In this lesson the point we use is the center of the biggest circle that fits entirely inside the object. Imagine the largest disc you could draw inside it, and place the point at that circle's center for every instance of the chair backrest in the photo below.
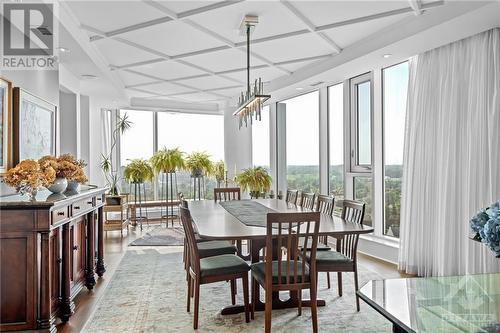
(284, 230)
(184, 203)
(352, 212)
(307, 200)
(227, 193)
(325, 204)
(292, 196)
(187, 224)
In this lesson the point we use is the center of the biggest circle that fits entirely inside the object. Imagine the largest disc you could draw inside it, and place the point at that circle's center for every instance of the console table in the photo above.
(49, 249)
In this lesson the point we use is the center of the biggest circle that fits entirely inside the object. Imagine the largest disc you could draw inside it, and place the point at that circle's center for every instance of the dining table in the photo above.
(241, 220)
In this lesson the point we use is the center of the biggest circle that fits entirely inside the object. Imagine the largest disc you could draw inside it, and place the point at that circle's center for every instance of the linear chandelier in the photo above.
(250, 102)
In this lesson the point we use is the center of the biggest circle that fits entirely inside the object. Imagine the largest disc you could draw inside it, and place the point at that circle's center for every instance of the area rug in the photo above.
(161, 236)
(147, 293)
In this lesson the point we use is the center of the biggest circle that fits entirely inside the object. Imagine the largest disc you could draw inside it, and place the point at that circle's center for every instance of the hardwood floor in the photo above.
(115, 247)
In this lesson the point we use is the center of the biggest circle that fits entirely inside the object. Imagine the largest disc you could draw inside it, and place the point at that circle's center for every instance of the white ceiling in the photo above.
(192, 51)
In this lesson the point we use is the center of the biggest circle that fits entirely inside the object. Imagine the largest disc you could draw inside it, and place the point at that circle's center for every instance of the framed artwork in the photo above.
(34, 123)
(5, 125)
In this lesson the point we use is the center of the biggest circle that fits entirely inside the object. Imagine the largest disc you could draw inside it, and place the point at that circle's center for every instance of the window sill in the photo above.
(384, 240)
(381, 247)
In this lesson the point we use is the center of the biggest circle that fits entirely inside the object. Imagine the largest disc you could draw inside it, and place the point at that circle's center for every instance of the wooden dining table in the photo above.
(214, 222)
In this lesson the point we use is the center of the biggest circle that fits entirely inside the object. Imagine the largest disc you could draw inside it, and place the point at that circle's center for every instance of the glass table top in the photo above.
(468, 303)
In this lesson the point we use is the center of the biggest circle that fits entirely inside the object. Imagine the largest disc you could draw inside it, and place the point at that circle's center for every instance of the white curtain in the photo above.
(106, 119)
(451, 156)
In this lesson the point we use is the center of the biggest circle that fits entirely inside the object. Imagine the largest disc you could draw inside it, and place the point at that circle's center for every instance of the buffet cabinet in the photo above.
(50, 249)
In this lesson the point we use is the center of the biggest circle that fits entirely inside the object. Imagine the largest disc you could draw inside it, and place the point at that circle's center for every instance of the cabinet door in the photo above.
(77, 235)
(55, 264)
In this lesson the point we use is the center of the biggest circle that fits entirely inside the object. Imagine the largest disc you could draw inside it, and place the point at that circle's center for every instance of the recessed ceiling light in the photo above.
(387, 55)
(89, 77)
(63, 49)
(299, 88)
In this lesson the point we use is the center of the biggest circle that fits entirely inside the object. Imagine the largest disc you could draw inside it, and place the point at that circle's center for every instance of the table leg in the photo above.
(292, 302)
(100, 268)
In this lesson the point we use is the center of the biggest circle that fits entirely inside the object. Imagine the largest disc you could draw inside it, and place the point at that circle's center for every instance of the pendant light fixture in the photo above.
(251, 102)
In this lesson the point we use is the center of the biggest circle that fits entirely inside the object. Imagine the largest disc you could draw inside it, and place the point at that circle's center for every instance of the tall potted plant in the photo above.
(108, 168)
(219, 171)
(255, 180)
(199, 164)
(138, 171)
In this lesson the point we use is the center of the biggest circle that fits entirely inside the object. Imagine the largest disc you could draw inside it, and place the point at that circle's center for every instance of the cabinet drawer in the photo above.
(83, 206)
(60, 214)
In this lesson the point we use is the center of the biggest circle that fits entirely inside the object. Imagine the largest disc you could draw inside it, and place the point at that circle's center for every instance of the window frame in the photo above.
(355, 167)
(328, 142)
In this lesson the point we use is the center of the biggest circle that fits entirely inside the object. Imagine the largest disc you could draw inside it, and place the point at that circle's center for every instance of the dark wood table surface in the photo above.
(212, 221)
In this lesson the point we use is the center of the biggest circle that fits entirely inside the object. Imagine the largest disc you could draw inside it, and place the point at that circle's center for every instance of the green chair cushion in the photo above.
(222, 265)
(215, 248)
(259, 272)
(330, 258)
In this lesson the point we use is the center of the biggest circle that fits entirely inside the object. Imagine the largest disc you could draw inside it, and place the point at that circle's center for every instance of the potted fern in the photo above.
(138, 171)
(167, 160)
(199, 164)
(255, 180)
(219, 172)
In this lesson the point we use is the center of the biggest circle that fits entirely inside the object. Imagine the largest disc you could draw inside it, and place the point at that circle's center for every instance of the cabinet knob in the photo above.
(59, 260)
(75, 247)
(76, 207)
(60, 213)
(89, 202)
(99, 199)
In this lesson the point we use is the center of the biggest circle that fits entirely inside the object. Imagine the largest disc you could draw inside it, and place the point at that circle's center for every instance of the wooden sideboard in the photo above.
(49, 249)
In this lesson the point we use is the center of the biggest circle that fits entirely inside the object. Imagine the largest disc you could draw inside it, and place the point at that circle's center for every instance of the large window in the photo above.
(261, 140)
(395, 85)
(137, 142)
(336, 140)
(302, 142)
(192, 132)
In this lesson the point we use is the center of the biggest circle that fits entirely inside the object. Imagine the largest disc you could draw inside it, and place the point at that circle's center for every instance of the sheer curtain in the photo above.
(451, 156)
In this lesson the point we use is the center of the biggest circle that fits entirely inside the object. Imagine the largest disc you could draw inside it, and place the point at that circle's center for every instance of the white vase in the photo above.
(58, 186)
(73, 186)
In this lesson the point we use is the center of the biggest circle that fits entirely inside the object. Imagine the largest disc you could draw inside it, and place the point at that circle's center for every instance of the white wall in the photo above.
(68, 124)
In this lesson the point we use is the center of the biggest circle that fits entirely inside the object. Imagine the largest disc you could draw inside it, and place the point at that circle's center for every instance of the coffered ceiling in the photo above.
(193, 51)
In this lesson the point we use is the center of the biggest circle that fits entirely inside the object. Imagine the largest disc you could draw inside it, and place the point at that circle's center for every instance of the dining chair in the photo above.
(290, 272)
(307, 200)
(292, 196)
(207, 248)
(325, 204)
(344, 258)
(227, 193)
(204, 270)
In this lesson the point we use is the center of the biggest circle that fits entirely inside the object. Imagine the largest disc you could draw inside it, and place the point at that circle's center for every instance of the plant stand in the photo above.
(167, 194)
(116, 204)
(139, 198)
(198, 185)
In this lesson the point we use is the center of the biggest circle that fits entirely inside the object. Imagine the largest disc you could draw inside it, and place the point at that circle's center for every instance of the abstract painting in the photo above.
(35, 122)
(5, 127)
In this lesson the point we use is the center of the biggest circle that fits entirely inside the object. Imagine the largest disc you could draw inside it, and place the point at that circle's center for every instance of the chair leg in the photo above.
(196, 303)
(254, 299)
(299, 296)
(245, 297)
(188, 278)
(339, 281)
(328, 279)
(233, 292)
(268, 311)
(314, 308)
(356, 287)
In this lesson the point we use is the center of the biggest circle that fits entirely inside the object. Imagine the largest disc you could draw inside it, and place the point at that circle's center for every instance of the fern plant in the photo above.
(219, 172)
(199, 164)
(255, 180)
(167, 160)
(138, 171)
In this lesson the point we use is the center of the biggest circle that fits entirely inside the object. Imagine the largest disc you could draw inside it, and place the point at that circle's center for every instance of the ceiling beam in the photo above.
(312, 28)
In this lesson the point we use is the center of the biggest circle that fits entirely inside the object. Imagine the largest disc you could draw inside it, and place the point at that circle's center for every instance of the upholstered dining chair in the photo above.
(289, 272)
(204, 270)
(227, 193)
(207, 248)
(344, 258)
(292, 196)
(307, 200)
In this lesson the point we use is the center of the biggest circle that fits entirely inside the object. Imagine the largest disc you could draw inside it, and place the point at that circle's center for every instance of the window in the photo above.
(363, 191)
(302, 142)
(137, 142)
(336, 140)
(395, 85)
(361, 126)
(261, 140)
(192, 132)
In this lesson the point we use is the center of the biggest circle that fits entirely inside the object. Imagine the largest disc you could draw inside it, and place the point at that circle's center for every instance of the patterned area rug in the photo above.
(161, 236)
(148, 294)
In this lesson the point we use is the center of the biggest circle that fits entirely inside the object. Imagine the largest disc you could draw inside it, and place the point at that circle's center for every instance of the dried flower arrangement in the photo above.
(28, 177)
(65, 166)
